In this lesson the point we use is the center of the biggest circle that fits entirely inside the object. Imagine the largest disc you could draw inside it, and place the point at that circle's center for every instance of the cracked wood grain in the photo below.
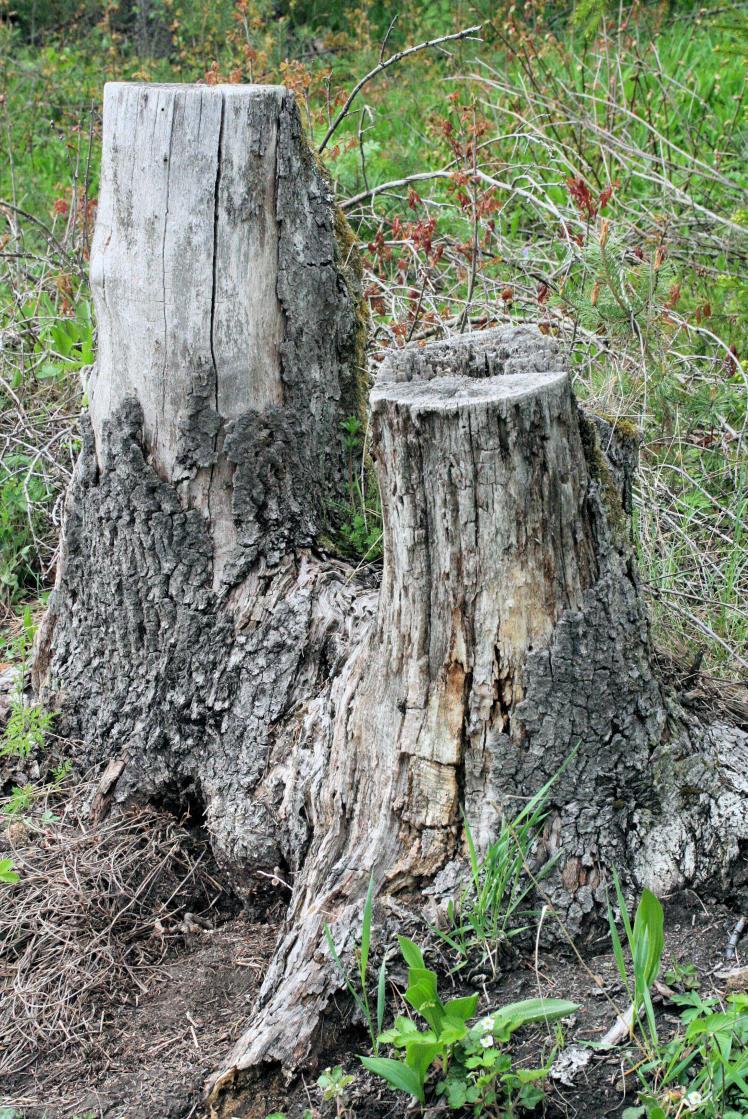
(510, 640)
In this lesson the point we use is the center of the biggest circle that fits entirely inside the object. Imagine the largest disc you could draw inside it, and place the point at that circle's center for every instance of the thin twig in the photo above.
(468, 33)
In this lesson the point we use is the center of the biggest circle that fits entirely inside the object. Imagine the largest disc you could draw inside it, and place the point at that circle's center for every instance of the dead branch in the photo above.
(467, 33)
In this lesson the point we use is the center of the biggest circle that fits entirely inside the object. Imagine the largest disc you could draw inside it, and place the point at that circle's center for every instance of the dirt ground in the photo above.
(157, 1049)
(695, 933)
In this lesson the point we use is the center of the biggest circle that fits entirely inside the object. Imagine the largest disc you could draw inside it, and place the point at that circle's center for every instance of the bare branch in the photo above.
(468, 33)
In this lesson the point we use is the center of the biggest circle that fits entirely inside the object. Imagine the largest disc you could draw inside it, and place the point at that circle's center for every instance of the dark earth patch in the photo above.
(155, 1054)
(156, 1051)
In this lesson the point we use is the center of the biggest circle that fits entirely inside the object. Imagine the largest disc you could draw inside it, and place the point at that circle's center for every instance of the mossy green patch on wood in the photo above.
(601, 473)
(627, 429)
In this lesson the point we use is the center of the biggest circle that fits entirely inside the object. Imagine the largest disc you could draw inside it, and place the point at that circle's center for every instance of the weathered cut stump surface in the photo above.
(324, 725)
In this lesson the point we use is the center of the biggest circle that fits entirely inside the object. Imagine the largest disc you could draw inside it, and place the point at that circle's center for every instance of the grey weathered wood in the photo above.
(230, 336)
(184, 272)
(217, 291)
(201, 643)
(510, 640)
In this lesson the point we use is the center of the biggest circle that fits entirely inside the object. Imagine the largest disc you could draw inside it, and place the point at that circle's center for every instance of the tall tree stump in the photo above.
(322, 725)
(231, 333)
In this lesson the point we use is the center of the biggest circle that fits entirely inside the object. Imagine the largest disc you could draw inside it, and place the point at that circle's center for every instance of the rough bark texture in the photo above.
(324, 725)
(510, 641)
(188, 617)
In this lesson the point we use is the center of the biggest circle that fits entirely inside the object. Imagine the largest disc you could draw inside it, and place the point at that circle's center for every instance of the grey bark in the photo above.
(328, 726)
(189, 614)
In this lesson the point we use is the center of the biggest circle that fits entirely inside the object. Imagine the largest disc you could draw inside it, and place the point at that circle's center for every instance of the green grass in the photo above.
(646, 943)
(703, 1069)
(497, 903)
(582, 175)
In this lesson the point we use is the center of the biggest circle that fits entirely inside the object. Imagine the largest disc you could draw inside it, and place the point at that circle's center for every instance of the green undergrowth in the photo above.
(454, 1053)
(581, 171)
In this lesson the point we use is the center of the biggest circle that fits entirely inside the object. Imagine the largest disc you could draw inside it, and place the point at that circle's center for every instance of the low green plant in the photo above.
(473, 1065)
(334, 1083)
(9, 876)
(307, 1113)
(25, 732)
(62, 771)
(683, 976)
(21, 496)
(357, 985)
(11, 1113)
(21, 799)
(360, 518)
(26, 728)
(26, 721)
(703, 1070)
(646, 942)
(65, 343)
(17, 645)
(493, 908)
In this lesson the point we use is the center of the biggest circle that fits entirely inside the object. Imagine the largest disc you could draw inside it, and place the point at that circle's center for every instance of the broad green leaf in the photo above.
(456, 1093)
(420, 1053)
(7, 873)
(403, 1028)
(49, 371)
(530, 1095)
(648, 938)
(396, 1073)
(528, 1075)
(509, 1018)
(463, 1008)
(424, 977)
(711, 1024)
(453, 1029)
(422, 996)
(411, 952)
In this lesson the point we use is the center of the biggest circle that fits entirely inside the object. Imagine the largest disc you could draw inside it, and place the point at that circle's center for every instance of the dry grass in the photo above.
(96, 911)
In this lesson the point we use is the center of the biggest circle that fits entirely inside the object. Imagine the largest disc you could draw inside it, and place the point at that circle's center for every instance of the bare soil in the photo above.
(158, 1048)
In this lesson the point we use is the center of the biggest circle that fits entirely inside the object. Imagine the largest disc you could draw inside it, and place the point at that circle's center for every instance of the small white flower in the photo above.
(487, 1025)
(693, 1101)
(487, 1041)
